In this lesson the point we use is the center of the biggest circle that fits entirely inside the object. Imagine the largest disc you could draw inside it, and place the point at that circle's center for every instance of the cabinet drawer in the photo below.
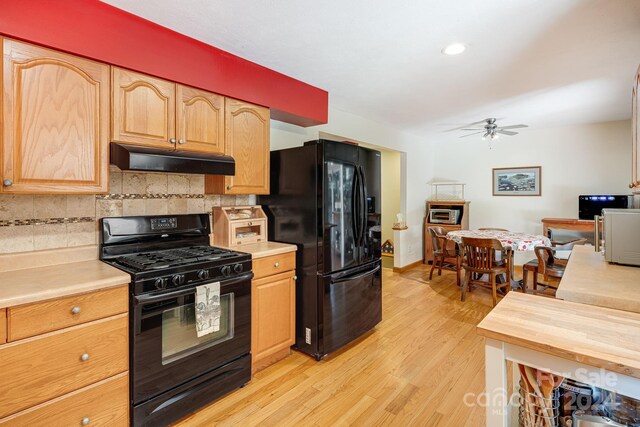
(38, 369)
(35, 319)
(274, 264)
(105, 403)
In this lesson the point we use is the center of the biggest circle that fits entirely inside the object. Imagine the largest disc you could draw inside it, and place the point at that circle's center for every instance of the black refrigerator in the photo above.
(325, 198)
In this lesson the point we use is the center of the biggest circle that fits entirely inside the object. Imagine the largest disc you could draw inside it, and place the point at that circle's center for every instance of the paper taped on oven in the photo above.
(208, 308)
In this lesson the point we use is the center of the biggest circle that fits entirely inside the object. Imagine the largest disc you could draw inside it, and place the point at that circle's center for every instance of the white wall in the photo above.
(587, 159)
(575, 160)
(417, 165)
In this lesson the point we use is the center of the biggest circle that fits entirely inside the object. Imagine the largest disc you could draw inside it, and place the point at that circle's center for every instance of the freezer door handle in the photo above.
(357, 276)
(355, 206)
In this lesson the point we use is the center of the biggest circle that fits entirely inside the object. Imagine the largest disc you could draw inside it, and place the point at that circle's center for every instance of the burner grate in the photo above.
(157, 260)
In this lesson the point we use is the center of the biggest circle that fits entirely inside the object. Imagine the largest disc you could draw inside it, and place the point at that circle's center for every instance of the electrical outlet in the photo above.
(307, 335)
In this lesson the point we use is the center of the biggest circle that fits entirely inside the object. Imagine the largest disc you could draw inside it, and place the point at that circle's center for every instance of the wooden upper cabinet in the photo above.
(143, 109)
(55, 131)
(247, 141)
(199, 120)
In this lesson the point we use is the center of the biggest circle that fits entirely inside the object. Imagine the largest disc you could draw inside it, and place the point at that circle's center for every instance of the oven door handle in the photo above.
(148, 299)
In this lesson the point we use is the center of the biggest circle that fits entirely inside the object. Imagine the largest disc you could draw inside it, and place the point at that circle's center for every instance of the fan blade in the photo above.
(471, 134)
(514, 127)
(481, 122)
(472, 129)
(506, 132)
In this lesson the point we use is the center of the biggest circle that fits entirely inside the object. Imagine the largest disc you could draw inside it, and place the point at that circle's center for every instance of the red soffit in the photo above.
(102, 32)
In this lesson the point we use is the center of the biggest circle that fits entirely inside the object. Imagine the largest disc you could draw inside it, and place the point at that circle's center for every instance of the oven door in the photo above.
(166, 351)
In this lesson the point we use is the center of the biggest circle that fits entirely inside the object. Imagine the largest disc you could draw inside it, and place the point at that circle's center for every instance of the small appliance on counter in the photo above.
(239, 225)
(444, 216)
(592, 204)
(621, 235)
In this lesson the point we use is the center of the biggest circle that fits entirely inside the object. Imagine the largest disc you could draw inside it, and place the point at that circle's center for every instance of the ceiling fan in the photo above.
(490, 129)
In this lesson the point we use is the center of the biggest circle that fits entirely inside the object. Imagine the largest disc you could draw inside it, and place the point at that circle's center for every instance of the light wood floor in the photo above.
(413, 369)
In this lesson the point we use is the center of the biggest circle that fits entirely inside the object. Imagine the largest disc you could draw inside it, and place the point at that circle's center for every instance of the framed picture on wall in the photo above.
(522, 181)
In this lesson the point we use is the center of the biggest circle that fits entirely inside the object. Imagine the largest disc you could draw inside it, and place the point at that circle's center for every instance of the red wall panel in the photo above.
(99, 31)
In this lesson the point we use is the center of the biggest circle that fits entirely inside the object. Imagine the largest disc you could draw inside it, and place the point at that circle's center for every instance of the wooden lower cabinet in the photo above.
(69, 369)
(273, 311)
(104, 403)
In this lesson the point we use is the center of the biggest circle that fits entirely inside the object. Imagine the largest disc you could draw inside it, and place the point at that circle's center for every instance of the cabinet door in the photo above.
(199, 120)
(247, 141)
(143, 109)
(55, 118)
(273, 315)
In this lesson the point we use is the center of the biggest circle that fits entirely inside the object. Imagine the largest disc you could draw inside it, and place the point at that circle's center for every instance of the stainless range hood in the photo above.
(138, 158)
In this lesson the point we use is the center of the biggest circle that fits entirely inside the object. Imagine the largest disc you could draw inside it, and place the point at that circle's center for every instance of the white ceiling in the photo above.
(539, 62)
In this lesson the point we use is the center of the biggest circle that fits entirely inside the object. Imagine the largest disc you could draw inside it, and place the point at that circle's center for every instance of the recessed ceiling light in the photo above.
(454, 49)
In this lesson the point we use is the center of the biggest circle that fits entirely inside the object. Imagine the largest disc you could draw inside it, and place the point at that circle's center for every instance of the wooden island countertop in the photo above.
(595, 336)
(589, 279)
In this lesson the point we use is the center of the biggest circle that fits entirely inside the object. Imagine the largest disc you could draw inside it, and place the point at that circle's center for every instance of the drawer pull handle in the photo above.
(172, 140)
(181, 141)
(7, 183)
(276, 264)
(85, 421)
(75, 310)
(84, 357)
(295, 278)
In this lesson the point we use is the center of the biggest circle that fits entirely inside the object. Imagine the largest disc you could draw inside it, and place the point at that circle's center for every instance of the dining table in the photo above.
(513, 240)
(509, 239)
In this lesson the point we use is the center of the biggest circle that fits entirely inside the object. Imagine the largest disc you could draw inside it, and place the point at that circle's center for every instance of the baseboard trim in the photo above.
(406, 267)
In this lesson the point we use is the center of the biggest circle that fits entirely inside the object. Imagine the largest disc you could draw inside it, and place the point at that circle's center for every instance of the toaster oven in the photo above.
(444, 216)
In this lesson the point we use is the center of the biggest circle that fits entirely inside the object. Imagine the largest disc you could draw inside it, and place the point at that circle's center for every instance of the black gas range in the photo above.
(172, 371)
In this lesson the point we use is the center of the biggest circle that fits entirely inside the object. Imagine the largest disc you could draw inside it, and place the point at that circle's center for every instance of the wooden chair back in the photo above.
(480, 254)
(438, 238)
(545, 260)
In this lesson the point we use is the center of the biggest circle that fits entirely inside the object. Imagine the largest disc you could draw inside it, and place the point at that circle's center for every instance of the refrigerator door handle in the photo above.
(355, 202)
(357, 276)
(363, 184)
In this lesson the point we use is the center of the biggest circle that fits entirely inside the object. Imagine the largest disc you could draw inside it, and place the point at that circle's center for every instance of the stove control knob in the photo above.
(226, 271)
(178, 280)
(203, 274)
(160, 283)
(238, 268)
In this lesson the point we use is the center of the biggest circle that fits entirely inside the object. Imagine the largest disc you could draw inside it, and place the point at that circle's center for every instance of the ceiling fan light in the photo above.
(454, 49)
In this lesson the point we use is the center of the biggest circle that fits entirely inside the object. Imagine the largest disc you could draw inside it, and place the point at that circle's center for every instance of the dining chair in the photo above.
(547, 267)
(444, 255)
(556, 268)
(479, 260)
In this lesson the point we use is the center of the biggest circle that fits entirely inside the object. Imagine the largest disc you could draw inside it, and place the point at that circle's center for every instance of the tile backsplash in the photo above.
(35, 222)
